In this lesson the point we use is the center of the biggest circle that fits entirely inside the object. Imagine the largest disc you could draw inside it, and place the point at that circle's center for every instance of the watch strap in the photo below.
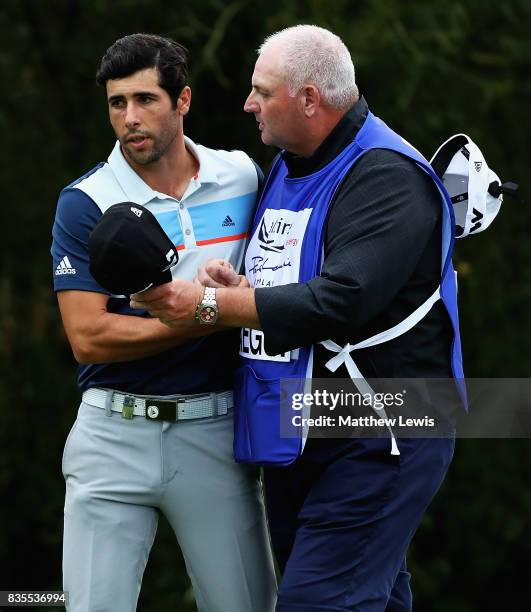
(209, 296)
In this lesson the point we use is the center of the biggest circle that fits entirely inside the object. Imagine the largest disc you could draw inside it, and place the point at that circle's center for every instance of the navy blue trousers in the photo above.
(342, 517)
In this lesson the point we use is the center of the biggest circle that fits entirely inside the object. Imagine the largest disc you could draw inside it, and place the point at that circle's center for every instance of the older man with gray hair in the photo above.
(352, 241)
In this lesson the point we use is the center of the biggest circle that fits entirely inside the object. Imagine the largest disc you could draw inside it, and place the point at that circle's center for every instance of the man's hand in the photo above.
(220, 273)
(174, 304)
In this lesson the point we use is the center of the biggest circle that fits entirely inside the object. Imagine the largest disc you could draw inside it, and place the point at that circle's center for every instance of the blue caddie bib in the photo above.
(286, 246)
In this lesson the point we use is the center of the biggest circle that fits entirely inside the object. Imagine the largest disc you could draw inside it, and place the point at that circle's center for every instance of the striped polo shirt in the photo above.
(212, 219)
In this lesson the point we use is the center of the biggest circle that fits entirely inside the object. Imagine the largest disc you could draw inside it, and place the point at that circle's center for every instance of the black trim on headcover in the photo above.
(459, 198)
(444, 156)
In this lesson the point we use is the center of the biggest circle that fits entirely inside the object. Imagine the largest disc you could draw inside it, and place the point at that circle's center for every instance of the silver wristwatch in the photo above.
(207, 312)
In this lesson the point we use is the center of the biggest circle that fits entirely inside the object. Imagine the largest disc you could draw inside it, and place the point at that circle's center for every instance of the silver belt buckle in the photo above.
(162, 410)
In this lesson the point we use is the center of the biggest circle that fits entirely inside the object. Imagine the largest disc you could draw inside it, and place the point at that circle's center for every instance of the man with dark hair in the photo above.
(123, 464)
(350, 249)
(140, 51)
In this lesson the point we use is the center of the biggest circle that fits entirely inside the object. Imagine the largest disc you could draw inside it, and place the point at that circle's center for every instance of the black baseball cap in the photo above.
(129, 251)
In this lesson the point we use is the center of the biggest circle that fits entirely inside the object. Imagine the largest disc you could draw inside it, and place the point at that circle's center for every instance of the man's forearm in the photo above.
(237, 308)
(99, 336)
(175, 305)
(115, 338)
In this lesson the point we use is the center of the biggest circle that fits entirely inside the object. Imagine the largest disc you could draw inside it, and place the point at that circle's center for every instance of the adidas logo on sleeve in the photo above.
(64, 267)
(228, 222)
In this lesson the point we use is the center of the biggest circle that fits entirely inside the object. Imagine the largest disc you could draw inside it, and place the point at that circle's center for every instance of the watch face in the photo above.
(207, 315)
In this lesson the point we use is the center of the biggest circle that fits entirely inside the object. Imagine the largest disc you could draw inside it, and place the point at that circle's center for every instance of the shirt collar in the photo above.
(207, 173)
(341, 136)
(139, 191)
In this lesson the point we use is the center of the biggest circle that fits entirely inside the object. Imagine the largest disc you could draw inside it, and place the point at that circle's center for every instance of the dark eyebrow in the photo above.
(137, 94)
(114, 98)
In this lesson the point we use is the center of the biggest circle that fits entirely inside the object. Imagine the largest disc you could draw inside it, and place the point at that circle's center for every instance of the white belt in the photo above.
(170, 408)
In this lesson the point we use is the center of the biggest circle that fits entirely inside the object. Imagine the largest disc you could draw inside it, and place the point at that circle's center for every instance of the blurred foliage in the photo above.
(430, 69)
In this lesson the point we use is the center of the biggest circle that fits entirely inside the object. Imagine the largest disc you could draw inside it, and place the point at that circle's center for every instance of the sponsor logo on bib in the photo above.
(273, 256)
(252, 346)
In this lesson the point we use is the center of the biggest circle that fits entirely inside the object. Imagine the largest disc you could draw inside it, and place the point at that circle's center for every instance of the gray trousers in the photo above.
(119, 473)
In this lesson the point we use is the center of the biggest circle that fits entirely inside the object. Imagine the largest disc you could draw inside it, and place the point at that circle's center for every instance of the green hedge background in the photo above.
(430, 69)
